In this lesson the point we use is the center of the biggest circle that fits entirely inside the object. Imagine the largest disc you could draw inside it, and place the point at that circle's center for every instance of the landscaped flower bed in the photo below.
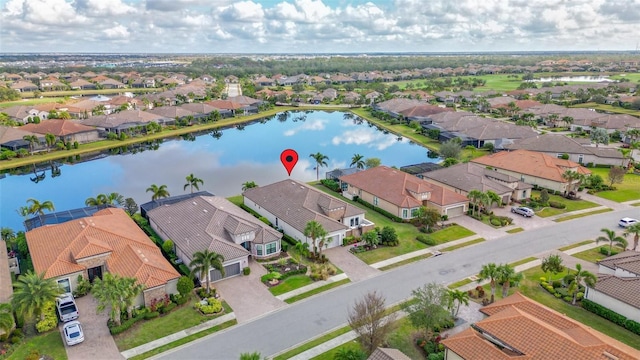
(281, 270)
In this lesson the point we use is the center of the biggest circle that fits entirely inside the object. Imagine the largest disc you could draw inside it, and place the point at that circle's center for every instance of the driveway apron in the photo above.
(247, 296)
(98, 343)
(355, 268)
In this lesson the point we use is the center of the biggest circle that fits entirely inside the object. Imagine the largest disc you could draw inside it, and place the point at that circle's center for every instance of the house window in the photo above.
(65, 284)
(580, 158)
(375, 200)
(357, 221)
(414, 212)
(405, 213)
(559, 156)
(352, 222)
(272, 248)
(259, 250)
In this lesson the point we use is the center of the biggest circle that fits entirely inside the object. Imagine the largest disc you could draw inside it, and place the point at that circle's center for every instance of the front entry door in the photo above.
(95, 272)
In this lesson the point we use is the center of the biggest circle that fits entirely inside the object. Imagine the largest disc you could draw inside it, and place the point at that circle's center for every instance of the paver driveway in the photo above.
(247, 296)
(98, 343)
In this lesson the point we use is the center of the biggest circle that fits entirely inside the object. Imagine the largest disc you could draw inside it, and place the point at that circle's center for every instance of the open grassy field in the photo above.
(628, 190)
(607, 108)
(29, 102)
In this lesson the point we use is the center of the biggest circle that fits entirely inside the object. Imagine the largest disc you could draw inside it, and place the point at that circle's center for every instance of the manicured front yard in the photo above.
(48, 344)
(593, 255)
(571, 205)
(628, 190)
(290, 283)
(179, 319)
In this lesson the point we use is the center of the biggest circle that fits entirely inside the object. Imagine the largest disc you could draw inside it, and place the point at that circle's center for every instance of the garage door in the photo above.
(229, 270)
(455, 211)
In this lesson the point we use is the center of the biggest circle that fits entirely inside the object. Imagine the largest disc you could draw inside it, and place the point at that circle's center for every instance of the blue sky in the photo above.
(312, 26)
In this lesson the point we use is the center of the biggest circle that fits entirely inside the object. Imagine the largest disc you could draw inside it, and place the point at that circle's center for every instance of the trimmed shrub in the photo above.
(543, 279)
(331, 184)
(214, 306)
(181, 300)
(125, 325)
(246, 271)
(265, 220)
(168, 308)
(557, 295)
(151, 315)
(604, 312)
(184, 285)
(557, 205)
(604, 250)
(550, 289)
(15, 339)
(167, 246)
(495, 222)
(632, 326)
(426, 240)
(556, 284)
(270, 276)
(567, 298)
(50, 320)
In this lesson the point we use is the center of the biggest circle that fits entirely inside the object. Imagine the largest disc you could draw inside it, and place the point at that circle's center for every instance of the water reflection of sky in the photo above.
(252, 154)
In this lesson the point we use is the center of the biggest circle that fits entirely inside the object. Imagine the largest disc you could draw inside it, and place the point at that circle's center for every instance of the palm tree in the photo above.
(552, 264)
(315, 231)
(507, 276)
(8, 236)
(50, 139)
(32, 140)
(248, 185)
(490, 271)
(573, 178)
(320, 160)
(613, 239)
(192, 182)
(250, 356)
(7, 321)
(101, 199)
(358, 161)
(457, 298)
(474, 196)
(38, 207)
(579, 277)
(158, 191)
(635, 230)
(116, 292)
(31, 292)
(202, 263)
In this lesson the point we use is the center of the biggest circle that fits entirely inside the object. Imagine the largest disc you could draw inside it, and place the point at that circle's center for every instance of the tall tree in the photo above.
(599, 136)
(358, 161)
(116, 292)
(203, 261)
(635, 230)
(507, 276)
(456, 299)
(50, 139)
(158, 191)
(192, 182)
(31, 292)
(130, 206)
(490, 272)
(8, 236)
(372, 162)
(32, 140)
(369, 320)
(552, 264)
(429, 309)
(616, 175)
(248, 185)
(580, 277)
(37, 207)
(613, 239)
(321, 161)
(7, 321)
(315, 231)
(474, 197)
(573, 178)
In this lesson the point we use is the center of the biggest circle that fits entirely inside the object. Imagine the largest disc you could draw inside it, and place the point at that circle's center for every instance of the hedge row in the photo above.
(612, 316)
(125, 325)
(381, 211)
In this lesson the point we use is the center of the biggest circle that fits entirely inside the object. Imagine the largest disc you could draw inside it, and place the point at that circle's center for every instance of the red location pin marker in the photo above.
(289, 159)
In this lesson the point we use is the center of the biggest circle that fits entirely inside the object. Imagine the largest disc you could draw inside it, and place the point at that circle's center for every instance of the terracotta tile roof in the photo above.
(518, 327)
(224, 104)
(387, 354)
(396, 187)
(626, 260)
(8, 133)
(55, 249)
(58, 127)
(208, 222)
(625, 289)
(296, 204)
(531, 163)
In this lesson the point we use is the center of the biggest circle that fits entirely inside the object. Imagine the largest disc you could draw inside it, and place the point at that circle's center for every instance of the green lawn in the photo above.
(568, 247)
(576, 216)
(515, 230)
(290, 283)
(571, 205)
(523, 261)
(628, 190)
(30, 102)
(318, 290)
(468, 243)
(460, 283)
(405, 262)
(313, 343)
(48, 344)
(330, 355)
(236, 200)
(408, 245)
(592, 255)
(607, 108)
(530, 287)
(148, 330)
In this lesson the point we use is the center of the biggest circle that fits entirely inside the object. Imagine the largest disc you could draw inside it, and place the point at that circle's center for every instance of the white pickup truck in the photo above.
(66, 307)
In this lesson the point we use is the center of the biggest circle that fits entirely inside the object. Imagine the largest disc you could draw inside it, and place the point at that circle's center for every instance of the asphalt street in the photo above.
(294, 324)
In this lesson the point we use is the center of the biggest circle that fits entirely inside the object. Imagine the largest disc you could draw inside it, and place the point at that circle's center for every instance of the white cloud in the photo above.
(117, 32)
(311, 125)
(371, 138)
(100, 8)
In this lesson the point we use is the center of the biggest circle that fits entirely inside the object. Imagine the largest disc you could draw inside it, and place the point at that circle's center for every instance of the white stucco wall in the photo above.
(613, 304)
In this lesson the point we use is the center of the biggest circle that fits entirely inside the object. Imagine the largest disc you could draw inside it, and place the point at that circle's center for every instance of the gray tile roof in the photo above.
(207, 222)
(624, 289)
(470, 176)
(561, 144)
(296, 204)
(626, 260)
(388, 354)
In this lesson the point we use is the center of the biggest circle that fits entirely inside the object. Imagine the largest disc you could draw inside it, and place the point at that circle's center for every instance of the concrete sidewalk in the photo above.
(310, 287)
(176, 336)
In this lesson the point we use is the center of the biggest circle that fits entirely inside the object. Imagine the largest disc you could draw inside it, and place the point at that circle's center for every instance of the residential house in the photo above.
(172, 112)
(580, 152)
(533, 168)
(111, 84)
(289, 205)
(52, 84)
(422, 112)
(68, 131)
(13, 139)
(463, 178)
(402, 194)
(609, 122)
(109, 241)
(214, 223)
(520, 328)
(201, 110)
(82, 84)
(24, 86)
(421, 168)
(387, 354)
(394, 107)
(21, 113)
(618, 284)
(264, 81)
(125, 120)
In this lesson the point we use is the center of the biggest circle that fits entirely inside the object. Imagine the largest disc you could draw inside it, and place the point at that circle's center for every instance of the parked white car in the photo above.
(626, 222)
(73, 334)
(523, 210)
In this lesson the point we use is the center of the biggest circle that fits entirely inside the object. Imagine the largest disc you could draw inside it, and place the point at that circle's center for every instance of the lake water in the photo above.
(575, 79)
(249, 154)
